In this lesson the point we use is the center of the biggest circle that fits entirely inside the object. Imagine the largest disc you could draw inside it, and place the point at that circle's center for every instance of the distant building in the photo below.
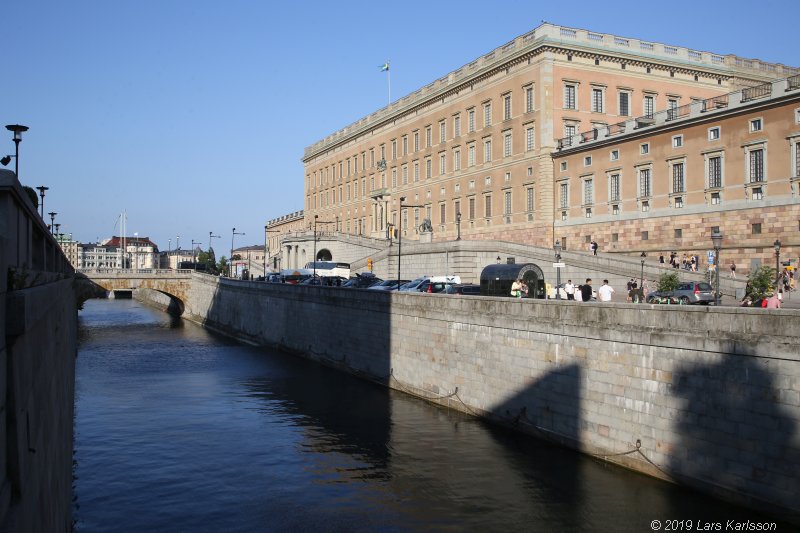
(277, 229)
(140, 252)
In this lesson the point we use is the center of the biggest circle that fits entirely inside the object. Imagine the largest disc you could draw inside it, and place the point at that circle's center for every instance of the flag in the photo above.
(384, 67)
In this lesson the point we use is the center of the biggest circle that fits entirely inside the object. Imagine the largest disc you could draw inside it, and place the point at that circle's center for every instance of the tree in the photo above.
(222, 266)
(760, 282)
(668, 282)
(208, 259)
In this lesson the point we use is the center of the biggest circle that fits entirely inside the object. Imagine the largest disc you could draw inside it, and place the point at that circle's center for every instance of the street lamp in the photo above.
(266, 247)
(18, 131)
(41, 189)
(716, 239)
(400, 237)
(52, 219)
(458, 225)
(234, 233)
(314, 258)
(557, 249)
(193, 260)
(641, 279)
(777, 246)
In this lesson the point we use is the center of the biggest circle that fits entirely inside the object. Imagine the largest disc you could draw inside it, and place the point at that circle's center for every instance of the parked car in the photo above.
(364, 280)
(692, 292)
(465, 288)
(388, 285)
(412, 285)
(431, 286)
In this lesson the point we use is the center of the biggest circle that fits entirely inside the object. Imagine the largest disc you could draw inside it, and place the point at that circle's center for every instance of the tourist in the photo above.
(773, 302)
(516, 288)
(661, 258)
(605, 291)
(594, 248)
(569, 288)
(578, 293)
(586, 290)
(733, 270)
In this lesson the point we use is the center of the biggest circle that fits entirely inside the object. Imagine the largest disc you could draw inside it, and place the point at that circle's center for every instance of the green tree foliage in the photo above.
(209, 260)
(760, 282)
(668, 281)
(222, 265)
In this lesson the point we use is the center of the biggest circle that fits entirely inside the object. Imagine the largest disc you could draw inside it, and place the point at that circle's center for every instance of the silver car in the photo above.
(692, 292)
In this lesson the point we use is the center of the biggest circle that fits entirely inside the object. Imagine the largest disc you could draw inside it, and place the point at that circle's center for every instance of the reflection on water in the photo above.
(180, 430)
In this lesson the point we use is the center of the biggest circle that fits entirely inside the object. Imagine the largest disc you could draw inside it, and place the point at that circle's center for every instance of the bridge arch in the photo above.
(324, 255)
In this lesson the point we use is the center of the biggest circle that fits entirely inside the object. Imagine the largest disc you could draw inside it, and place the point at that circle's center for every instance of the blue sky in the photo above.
(193, 115)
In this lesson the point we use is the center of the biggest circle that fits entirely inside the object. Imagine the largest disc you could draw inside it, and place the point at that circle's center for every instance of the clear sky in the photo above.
(193, 114)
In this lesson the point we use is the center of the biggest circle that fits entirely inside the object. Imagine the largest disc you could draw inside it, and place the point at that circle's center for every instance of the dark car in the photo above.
(388, 285)
(692, 292)
(364, 280)
(465, 288)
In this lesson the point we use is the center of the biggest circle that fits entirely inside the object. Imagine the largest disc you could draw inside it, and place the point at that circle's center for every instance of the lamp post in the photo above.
(314, 257)
(194, 263)
(41, 189)
(557, 249)
(266, 247)
(641, 279)
(400, 237)
(234, 233)
(211, 236)
(52, 219)
(58, 227)
(458, 226)
(17, 130)
(777, 246)
(716, 240)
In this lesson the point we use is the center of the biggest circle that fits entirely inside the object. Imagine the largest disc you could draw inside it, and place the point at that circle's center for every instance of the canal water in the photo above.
(177, 429)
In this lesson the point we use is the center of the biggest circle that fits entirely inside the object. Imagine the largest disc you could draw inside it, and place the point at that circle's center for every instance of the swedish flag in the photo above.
(384, 67)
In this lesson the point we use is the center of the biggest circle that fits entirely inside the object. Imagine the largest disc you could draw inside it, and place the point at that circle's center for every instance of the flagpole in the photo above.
(389, 81)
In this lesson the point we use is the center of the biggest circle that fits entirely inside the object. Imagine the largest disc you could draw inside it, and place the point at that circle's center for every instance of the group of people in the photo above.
(519, 288)
(687, 262)
(585, 292)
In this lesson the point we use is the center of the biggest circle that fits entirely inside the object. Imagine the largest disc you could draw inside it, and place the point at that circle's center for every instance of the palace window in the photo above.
(507, 144)
(529, 139)
(442, 131)
(471, 155)
(528, 99)
(487, 114)
(649, 106)
(569, 96)
(442, 163)
(487, 206)
(472, 208)
(457, 126)
(588, 192)
(507, 203)
(613, 185)
(677, 178)
(564, 195)
(714, 133)
(456, 159)
(471, 120)
(506, 107)
(487, 150)
(597, 100)
(756, 166)
(645, 190)
(715, 172)
(624, 104)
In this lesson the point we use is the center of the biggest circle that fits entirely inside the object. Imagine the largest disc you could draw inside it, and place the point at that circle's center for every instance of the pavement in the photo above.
(791, 300)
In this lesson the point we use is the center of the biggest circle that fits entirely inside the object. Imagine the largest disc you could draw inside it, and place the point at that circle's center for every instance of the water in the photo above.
(180, 430)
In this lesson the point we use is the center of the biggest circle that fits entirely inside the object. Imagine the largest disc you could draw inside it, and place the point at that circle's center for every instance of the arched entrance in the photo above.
(324, 255)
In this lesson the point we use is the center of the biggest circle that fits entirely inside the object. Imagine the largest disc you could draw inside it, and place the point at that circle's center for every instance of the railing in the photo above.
(759, 91)
(718, 102)
(679, 112)
(121, 272)
(793, 83)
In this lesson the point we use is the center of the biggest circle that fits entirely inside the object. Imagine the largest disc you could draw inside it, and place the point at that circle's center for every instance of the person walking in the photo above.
(733, 270)
(594, 248)
(586, 290)
(569, 288)
(516, 288)
(605, 291)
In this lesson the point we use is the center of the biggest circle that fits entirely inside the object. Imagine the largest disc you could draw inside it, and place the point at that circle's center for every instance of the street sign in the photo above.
(559, 265)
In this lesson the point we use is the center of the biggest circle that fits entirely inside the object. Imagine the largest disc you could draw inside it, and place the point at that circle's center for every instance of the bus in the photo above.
(326, 269)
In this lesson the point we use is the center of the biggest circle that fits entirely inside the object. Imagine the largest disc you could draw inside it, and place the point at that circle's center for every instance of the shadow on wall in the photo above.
(732, 430)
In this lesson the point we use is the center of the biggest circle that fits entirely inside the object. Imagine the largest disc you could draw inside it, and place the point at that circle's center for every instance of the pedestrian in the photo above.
(661, 258)
(578, 293)
(569, 288)
(629, 290)
(693, 263)
(586, 290)
(523, 288)
(516, 288)
(733, 270)
(773, 302)
(594, 248)
(605, 291)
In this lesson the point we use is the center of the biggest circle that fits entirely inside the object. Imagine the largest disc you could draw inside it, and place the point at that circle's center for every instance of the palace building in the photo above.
(498, 149)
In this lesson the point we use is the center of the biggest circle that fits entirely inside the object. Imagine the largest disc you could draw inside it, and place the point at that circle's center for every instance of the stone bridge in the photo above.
(175, 284)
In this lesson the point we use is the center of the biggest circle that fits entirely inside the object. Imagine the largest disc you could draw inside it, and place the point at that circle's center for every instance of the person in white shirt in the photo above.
(569, 288)
(605, 292)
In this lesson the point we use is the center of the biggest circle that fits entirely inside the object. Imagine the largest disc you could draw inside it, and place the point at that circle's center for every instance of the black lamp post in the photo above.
(716, 239)
(400, 236)
(211, 236)
(777, 246)
(266, 247)
(557, 249)
(194, 263)
(458, 226)
(41, 189)
(17, 130)
(641, 279)
(314, 258)
(234, 233)
(52, 219)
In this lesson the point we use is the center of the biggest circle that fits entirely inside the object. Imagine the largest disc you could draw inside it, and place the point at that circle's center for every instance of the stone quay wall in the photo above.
(702, 396)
